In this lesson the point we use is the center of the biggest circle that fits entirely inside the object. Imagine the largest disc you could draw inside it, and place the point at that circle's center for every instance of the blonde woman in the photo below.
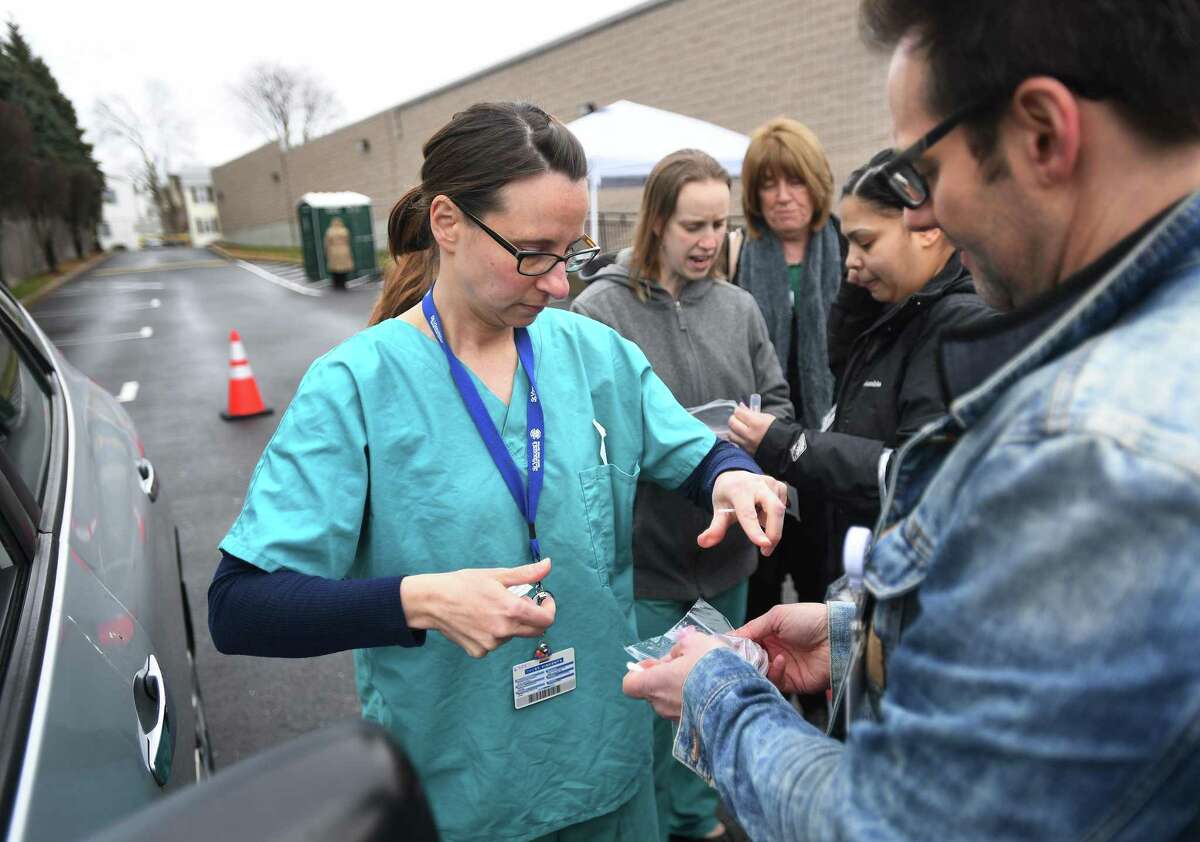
(707, 341)
(791, 259)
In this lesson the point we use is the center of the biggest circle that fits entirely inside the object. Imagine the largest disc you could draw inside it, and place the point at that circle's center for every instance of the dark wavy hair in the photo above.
(1141, 55)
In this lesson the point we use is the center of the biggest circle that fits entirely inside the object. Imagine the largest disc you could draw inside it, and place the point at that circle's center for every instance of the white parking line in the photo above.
(129, 391)
(152, 304)
(145, 333)
(86, 288)
(278, 281)
(158, 267)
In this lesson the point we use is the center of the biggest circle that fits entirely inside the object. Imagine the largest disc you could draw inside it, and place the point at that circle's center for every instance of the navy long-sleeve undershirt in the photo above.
(286, 614)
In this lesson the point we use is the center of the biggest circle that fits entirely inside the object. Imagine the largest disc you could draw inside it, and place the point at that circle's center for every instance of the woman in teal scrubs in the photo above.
(383, 508)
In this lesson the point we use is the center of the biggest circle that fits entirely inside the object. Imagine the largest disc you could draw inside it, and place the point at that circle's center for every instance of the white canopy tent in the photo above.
(626, 139)
(344, 199)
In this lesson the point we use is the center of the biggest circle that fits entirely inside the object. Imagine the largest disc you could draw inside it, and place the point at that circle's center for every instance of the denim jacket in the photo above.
(1032, 662)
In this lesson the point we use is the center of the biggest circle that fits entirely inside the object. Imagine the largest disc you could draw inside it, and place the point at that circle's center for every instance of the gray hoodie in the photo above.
(711, 344)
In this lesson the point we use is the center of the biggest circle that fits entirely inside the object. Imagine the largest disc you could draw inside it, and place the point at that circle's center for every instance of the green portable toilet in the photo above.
(316, 211)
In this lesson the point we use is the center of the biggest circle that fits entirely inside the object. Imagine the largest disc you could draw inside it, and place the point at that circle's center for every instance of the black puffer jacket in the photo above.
(888, 387)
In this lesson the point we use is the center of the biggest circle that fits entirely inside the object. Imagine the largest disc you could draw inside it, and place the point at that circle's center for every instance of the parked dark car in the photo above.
(100, 711)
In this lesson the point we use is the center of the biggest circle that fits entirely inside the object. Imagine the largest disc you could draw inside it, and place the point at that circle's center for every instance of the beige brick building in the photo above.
(732, 63)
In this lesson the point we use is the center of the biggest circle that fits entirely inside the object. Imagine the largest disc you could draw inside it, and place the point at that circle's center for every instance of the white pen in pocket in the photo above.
(600, 429)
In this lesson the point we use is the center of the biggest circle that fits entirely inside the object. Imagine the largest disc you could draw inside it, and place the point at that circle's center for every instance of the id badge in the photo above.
(535, 681)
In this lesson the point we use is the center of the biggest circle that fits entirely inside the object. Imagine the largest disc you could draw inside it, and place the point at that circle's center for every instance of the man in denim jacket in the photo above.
(1026, 652)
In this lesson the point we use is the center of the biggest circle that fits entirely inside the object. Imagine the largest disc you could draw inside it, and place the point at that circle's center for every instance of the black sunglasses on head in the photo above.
(535, 263)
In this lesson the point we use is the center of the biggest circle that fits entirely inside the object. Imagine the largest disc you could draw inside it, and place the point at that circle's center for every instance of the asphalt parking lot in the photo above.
(153, 328)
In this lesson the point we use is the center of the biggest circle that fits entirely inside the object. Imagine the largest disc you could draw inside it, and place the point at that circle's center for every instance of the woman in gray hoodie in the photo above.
(707, 340)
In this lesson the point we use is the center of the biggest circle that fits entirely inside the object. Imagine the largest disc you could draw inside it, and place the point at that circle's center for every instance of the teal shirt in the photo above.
(376, 469)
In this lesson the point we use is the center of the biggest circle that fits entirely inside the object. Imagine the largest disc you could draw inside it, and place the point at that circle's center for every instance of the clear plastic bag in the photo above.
(703, 619)
(715, 415)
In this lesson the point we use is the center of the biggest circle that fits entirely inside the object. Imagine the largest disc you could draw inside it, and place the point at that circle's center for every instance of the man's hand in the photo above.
(661, 682)
(747, 428)
(758, 504)
(796, 638)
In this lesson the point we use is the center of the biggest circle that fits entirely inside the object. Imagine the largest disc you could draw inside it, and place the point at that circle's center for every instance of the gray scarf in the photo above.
(762, 271)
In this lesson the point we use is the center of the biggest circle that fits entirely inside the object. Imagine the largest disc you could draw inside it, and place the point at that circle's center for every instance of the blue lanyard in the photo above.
(535, 428)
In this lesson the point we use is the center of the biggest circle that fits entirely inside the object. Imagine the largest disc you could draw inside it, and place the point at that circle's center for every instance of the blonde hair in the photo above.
(661, 193)
(785, 148)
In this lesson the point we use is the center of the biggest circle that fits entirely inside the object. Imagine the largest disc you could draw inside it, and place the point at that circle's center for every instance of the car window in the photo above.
(24, 418)
(10, 306)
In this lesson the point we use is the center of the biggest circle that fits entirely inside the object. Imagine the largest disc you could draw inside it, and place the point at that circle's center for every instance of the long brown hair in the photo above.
(469, 159)
(665, 182)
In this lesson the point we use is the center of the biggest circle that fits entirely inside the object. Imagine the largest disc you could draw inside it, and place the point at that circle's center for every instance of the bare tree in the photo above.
(155, 134)
(318, 108)
(290, 105)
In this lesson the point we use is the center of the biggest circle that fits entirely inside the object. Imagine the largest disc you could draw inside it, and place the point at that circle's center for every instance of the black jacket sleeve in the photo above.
(845, 469)
(833, 467)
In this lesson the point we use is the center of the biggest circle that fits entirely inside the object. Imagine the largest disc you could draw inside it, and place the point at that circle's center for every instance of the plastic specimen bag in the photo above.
(702, 618)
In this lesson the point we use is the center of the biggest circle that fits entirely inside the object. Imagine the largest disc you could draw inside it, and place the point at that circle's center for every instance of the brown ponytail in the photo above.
(470, 159)
(410, 242)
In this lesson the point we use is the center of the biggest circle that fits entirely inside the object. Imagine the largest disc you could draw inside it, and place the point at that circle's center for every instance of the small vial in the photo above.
(756, 402)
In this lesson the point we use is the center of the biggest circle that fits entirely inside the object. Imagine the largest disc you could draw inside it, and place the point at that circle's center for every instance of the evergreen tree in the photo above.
(16, 150)
(63, 180)
(84, 207)
(46, 194)
(56, 131)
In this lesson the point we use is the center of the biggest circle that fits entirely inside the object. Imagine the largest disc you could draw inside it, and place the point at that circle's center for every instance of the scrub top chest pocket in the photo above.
(608, 495)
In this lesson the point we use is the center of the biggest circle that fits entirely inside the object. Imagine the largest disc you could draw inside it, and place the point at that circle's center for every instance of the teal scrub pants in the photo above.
(687, 806)
(634, 821)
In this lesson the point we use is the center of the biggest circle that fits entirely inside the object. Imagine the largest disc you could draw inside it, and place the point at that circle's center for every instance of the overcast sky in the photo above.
(372, 59)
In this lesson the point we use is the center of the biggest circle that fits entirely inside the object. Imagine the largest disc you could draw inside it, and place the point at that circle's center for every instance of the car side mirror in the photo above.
(349, 782)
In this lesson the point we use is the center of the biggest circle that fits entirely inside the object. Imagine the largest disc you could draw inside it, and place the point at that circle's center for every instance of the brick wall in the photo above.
(734, 64)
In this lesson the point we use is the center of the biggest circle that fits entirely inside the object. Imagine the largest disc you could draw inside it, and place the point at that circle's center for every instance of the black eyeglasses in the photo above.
(535, 263)
(901, 175)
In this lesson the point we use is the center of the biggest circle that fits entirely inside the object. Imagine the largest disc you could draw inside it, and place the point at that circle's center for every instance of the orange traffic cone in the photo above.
(244, 399)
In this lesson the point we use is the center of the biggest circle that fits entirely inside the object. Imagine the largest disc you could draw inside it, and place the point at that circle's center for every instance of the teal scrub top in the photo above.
(376, 469)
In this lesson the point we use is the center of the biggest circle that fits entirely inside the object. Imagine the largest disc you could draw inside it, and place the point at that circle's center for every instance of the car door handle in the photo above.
(156, 736)
(149, 479)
